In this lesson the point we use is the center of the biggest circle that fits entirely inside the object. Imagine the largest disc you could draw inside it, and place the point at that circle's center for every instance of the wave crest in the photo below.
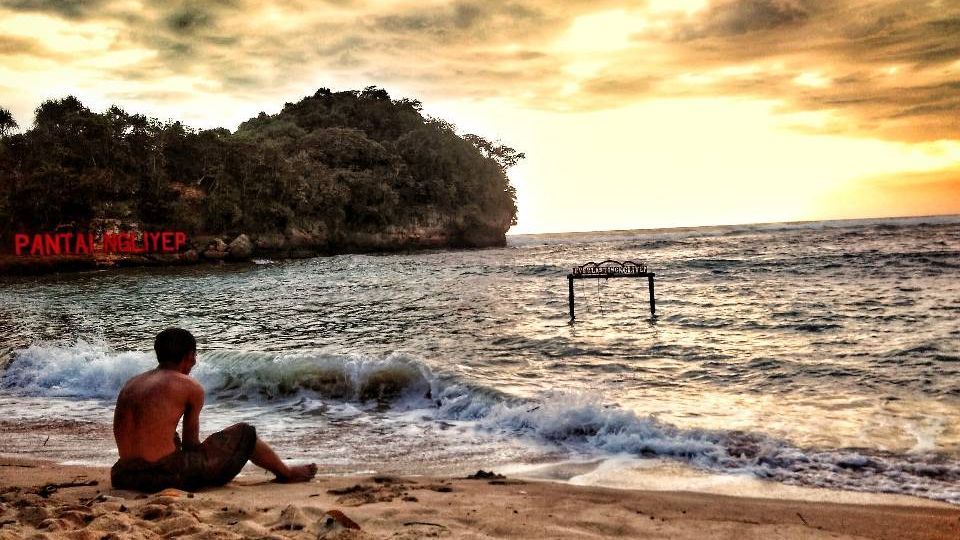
(579, 422)
(90, 369)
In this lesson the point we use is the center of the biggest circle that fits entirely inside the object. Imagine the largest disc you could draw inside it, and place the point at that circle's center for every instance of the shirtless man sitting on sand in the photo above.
(152, 456)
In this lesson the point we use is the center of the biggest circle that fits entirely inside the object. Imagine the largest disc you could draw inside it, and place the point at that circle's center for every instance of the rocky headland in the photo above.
(337, 172)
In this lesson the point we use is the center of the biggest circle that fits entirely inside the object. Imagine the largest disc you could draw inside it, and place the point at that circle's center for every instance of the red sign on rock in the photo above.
(53, 244)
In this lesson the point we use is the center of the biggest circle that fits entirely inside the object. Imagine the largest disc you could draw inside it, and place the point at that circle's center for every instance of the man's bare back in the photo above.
(149, 408)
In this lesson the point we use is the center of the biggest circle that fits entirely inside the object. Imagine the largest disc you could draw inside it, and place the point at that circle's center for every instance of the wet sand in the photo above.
(426, 507)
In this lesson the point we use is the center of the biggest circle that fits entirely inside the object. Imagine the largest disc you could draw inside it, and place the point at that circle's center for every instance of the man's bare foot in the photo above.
(298, 473)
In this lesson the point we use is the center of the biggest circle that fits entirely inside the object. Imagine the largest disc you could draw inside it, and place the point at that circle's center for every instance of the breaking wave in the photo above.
(94, 370)
(576, 422)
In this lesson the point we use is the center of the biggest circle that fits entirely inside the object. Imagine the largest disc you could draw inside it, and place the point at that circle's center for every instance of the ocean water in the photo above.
(817, 354)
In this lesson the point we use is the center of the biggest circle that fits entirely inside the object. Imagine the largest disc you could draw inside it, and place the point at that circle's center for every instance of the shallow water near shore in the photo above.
(818, 354)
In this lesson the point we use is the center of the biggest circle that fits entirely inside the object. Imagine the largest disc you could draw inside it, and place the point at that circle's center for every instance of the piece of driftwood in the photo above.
(409, 523)
(49, 489)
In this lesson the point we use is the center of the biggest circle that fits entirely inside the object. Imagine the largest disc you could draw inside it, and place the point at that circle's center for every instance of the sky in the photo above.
(642, 114)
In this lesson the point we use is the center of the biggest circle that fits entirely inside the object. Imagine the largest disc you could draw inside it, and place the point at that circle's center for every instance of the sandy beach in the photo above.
(33, 506)
(679, 269)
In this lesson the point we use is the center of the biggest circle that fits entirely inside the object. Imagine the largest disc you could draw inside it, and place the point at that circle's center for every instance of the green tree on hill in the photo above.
(7, 123)
(338, 162)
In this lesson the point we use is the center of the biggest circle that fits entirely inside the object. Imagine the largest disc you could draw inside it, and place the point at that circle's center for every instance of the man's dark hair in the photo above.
(172, 345)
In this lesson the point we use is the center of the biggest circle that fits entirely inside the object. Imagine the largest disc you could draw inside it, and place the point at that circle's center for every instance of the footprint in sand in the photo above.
(383, 489)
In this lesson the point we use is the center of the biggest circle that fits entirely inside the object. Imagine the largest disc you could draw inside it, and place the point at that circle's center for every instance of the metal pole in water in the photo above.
(653, 302)
(570, 283)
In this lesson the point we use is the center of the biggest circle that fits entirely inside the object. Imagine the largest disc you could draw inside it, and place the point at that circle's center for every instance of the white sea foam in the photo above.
(93, 369)
(86, 369)
(578, 422)
(926, 434)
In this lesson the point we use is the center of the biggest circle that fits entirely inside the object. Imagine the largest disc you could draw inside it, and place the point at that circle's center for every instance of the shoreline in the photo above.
(431, 506)
(207, 249)
(648, 475)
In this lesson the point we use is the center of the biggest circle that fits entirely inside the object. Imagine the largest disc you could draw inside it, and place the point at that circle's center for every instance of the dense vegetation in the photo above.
(335, 162)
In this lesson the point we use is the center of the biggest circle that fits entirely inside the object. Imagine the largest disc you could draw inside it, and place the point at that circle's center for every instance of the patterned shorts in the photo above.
(218, 459)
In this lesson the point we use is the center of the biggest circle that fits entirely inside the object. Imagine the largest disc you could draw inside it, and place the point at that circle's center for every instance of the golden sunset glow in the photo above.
(631, 114)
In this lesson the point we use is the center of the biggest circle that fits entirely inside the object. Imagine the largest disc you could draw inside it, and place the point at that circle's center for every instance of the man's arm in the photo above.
(191, 417)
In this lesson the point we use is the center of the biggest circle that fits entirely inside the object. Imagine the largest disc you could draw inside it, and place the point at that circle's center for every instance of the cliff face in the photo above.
(299, 242)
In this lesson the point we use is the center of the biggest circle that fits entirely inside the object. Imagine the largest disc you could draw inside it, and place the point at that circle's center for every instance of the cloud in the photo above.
(158, 96)
(886, 68)
(70, 9)
(463, 20)
(13, 45)
(738, 17)
(189, 19)
(629, 85)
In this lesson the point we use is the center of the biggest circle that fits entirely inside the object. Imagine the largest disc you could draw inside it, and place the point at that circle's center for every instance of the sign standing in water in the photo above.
(611, 269)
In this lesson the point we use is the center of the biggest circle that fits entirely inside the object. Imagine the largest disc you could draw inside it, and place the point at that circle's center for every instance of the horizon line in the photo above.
(737, 224)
